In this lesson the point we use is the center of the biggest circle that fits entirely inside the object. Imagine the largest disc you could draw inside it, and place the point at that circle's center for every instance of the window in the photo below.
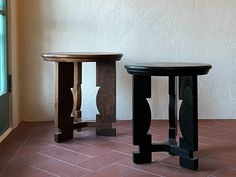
(3, 60)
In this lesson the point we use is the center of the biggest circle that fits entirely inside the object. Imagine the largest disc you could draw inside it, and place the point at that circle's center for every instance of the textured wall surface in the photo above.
(143, 30)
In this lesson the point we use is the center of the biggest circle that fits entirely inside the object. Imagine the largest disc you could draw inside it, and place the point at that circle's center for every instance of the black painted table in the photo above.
(187, 74)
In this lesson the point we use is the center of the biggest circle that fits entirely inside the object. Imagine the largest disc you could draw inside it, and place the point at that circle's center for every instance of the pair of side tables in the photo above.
(68, 102)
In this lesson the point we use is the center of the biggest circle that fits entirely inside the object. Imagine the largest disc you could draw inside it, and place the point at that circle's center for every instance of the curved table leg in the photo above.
(141, 119)
(106, 98)
(188, 120)
(76, 92)
(64, 101)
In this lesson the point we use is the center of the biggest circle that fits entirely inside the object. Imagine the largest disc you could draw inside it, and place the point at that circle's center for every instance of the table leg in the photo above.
(172, 110)
(141, 119)
(76, 91)
(64, 101)
(106, 98)
(188, 120)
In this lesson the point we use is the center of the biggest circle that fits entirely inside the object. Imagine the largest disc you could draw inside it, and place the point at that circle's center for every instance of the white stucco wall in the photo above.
(143, 30)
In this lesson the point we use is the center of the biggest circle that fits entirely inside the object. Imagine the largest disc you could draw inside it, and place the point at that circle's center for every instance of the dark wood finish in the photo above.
(82, 57)
(106, 97)
(76, 92)
(64, 101)
(188, 114)
(68, 92)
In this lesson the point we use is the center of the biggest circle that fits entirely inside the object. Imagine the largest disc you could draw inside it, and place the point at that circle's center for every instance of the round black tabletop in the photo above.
(168, 69)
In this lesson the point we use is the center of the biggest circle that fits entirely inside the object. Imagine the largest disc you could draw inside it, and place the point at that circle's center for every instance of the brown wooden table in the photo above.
(68, 92)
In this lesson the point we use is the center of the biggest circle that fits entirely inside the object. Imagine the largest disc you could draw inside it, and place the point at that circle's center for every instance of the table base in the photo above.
(188, 120)
(68, 101)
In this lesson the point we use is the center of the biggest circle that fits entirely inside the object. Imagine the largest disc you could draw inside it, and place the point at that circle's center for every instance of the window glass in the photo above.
(3, 61)
(2, 4)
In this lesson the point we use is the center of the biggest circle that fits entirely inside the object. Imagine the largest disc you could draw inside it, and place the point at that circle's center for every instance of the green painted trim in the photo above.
(4, 113)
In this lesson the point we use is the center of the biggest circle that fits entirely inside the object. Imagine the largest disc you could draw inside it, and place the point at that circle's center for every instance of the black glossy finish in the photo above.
(168, 69)
(188, 113)
(142, 120)
(172, 111)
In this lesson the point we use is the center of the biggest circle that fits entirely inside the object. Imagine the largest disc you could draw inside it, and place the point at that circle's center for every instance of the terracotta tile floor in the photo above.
(29, 151)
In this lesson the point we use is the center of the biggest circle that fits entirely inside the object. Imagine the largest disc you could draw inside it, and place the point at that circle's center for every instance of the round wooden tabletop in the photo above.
(168, 68)
(82, 57)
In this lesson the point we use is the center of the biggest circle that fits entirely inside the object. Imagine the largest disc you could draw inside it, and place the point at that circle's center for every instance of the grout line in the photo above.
(117, 141)
(164, 163)
(64, 162)
(121, 152)
(27, 138)
(13, 157)
(122, 142)
(215, 172)
(107, 166)
(101, 155)
(73, 151)
(130, 173)
(94, 157)
(44, 171)
(100, 169)
(8, 163)
(139, 170)
(173, 172)
(92, 145)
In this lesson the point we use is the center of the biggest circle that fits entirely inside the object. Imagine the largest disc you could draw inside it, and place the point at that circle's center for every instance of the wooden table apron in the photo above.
(68, 92)
(188, 113)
